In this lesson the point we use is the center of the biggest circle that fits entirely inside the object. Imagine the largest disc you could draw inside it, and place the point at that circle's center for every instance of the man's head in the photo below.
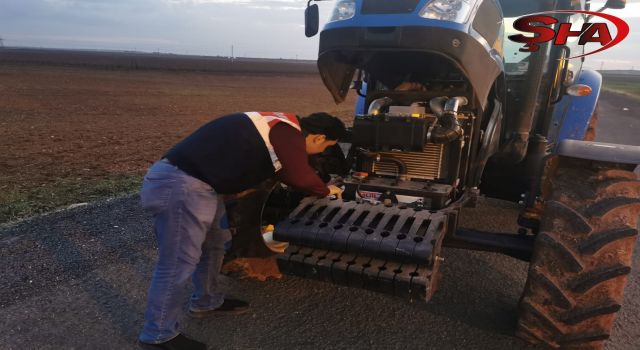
(321, 130)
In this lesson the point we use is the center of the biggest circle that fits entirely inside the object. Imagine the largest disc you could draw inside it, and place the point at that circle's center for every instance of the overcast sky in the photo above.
(256, 28)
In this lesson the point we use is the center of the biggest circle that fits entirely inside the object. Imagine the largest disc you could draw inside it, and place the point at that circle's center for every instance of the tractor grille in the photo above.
(371, 7)
(424, 165)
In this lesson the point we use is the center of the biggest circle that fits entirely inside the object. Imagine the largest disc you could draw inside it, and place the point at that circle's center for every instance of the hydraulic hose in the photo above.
(402, 166)
(448, 128)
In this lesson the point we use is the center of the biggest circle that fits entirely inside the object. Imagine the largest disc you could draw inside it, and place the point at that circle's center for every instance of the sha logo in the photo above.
(591, 32)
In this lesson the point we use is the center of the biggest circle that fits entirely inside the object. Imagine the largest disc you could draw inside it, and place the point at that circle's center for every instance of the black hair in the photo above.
(323, 124)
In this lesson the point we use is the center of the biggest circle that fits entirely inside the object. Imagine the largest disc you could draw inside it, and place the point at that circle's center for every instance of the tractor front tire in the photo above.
(581, 257)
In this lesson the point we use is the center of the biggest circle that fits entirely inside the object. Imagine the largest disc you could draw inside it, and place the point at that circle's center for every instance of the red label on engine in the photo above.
(370, 195)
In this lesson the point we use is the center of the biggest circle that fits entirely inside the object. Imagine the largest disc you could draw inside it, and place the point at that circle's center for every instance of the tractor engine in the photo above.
(411, 154)
(413, 131)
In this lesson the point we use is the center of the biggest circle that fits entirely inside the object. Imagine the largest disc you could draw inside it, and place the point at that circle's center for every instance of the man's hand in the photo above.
(336, 181)
(335, 191)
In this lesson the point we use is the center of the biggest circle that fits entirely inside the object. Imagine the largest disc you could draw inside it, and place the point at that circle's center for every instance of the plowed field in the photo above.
(73, 134)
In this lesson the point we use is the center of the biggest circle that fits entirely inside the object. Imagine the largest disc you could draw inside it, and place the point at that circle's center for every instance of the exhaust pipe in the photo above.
(376, 105)
(448, 128)
(454, 103)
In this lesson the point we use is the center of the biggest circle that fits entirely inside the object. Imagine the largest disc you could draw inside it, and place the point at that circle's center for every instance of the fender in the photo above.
(572, 114)
(599, 151)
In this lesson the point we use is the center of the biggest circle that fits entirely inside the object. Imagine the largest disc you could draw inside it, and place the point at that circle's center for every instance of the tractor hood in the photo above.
(380, 39)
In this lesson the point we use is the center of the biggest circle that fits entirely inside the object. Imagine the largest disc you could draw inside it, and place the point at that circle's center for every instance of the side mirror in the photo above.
(615, 4)
(311, 20)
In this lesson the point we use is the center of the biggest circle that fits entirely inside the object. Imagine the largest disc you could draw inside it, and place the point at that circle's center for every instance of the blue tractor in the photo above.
(449, 109)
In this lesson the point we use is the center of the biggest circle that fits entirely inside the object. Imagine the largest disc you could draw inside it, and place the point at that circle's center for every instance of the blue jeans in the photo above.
(191, 236)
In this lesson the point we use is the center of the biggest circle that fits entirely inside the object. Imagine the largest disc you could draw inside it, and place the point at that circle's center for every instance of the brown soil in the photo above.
(82, 124)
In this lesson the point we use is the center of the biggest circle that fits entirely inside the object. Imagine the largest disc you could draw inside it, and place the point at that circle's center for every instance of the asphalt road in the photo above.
(77, 279)
(619, 119)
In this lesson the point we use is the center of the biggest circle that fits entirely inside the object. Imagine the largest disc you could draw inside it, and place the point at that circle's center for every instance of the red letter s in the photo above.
(542, 34)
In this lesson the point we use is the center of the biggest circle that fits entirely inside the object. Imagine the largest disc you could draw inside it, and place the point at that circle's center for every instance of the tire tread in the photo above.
(581, 258)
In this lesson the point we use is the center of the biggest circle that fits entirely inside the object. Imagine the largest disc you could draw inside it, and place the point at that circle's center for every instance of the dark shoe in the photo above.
(180, 342)
(228, 307)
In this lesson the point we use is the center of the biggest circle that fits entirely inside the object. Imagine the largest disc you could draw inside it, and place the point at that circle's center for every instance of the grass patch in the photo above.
(629, 88)
(21, 204)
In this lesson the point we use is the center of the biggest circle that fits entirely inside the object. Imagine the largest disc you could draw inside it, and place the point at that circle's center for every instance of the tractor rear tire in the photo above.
(581, 257)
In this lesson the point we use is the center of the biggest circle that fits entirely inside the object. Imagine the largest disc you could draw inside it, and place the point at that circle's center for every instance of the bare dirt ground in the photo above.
(64, 131)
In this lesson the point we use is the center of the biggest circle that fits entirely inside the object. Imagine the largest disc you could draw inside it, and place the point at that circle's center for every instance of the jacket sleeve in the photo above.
(289, 145)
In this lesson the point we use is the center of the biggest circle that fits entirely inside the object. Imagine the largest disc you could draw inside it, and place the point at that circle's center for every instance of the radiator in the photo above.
(424, 165)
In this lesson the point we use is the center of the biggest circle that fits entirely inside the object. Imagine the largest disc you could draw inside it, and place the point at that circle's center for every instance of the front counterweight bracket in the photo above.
(390, 249)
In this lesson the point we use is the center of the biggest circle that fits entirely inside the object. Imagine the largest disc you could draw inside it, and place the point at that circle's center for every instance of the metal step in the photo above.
(389, 249)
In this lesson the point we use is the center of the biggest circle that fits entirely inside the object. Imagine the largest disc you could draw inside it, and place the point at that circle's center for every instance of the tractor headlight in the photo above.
(344, 9)
(447, 10)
